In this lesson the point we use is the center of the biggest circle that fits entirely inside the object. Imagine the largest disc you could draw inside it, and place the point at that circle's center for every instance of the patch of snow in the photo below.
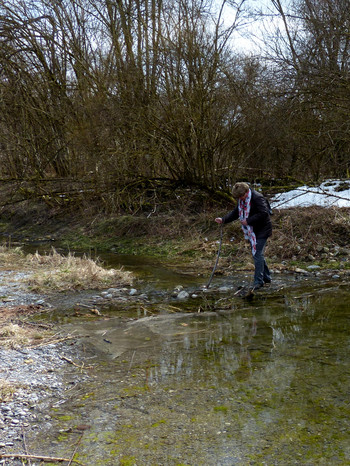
(330, 193)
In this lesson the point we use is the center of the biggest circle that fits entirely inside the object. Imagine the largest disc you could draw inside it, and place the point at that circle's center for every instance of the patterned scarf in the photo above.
(243, 210)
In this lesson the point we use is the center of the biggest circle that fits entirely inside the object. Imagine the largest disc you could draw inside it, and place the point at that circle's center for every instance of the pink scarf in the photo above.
(243, 210)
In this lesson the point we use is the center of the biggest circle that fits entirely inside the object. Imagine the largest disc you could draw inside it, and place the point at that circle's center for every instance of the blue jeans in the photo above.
(262, 272)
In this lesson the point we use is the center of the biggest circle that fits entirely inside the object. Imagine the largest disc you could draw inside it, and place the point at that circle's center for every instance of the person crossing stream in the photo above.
(253, 211)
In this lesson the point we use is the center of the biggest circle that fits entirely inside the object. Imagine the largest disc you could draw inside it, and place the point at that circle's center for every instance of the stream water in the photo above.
(265, 381)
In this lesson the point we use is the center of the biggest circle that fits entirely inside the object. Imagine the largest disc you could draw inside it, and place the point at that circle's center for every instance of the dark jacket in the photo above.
(259, 216)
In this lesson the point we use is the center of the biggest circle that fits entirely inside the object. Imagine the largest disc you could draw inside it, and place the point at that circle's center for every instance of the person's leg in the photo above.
(259, 261)
(266, 274)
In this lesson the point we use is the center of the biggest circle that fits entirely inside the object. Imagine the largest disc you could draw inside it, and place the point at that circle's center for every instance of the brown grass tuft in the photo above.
(7, 391)
(13, 336)
(10, 255)
(57, 272)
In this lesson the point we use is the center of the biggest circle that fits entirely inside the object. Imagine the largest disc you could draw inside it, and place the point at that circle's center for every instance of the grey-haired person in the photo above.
(253, 211)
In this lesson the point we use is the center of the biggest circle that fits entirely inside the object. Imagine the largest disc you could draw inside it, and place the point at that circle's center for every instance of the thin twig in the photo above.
(75, 449)
(218, 255)
(184, 333)
(38, 457)
(88, 306)
(74, 364)
(52, 342)
(25, 446)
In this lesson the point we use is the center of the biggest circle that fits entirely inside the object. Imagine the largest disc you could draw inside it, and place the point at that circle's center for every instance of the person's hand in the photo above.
(218, 220)
(244, 222)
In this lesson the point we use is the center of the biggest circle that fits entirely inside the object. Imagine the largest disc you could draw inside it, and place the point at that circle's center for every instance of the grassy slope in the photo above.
(188, 236)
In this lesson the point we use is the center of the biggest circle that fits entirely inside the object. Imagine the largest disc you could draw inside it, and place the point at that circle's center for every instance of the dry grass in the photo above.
(21, 334)
(51, 272)
(300, 235)
(13, 336)
(57, 272)
(301, 232)
(10, 256)
(7, 391)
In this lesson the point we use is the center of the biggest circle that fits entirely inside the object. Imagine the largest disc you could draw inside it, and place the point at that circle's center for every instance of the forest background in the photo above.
(144, 107)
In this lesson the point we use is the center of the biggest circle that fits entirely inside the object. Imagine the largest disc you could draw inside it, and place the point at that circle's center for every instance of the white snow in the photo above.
(330, 193)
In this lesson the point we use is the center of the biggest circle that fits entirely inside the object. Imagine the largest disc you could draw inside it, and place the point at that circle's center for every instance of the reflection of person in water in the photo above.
(260, 335)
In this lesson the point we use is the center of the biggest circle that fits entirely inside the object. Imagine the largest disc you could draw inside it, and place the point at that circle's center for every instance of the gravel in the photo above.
(40, 376)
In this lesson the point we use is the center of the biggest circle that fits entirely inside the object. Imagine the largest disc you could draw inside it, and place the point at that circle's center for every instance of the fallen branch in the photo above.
(64, 358)
(38, 457)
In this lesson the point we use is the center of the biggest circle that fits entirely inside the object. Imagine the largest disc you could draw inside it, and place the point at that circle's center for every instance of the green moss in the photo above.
(62, 437)
(87, 396)
(156, 424)
(65, 417)
(220, 409)
(131, 391)
(127, 461)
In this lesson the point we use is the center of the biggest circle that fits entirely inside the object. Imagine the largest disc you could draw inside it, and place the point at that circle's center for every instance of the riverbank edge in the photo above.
(306, 239)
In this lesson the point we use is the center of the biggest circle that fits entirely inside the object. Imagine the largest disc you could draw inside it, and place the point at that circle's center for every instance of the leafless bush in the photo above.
(305, 231)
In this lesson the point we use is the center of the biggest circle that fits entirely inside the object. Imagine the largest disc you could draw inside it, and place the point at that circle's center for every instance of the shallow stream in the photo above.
(209, 380)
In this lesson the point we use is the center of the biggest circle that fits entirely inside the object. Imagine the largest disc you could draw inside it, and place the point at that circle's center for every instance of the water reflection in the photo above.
(265, 383)
(213, 351)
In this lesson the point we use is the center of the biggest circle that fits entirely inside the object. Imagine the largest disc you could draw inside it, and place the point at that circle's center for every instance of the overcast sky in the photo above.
(249, 36)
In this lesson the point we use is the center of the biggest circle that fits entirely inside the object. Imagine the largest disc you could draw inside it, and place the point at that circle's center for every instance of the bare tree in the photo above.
(126, 93)
(194, 120)
(310, 48)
